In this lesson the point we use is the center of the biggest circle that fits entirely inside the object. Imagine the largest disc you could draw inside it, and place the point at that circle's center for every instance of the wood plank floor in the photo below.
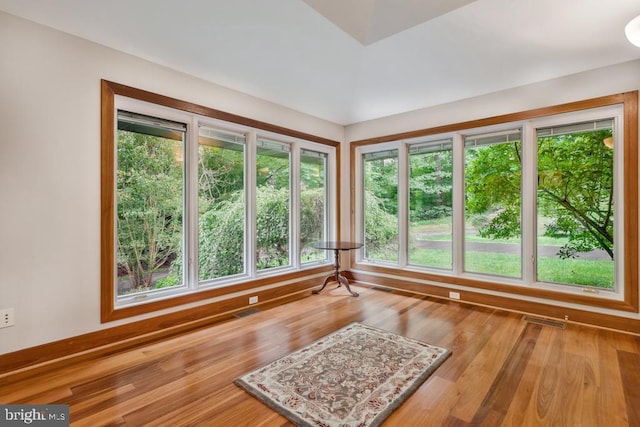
(504, 371)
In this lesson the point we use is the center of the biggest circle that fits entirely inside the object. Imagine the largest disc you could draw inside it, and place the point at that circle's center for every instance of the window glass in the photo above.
(575, 204)
(381, 206)
(149, 193)
(221, 204)
(543, 204)
(313, 204)
(430, 204)
(191, 202)
(492, 235)
(273, 201)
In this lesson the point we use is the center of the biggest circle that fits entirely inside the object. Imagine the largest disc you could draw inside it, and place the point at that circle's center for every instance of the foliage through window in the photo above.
(150, 203)
(431, 204)
(492, 193)
(533, 202)
(201, 203)
(221, 204)
(381, 206)
(576, 204)
(273, 204)
(313, 203)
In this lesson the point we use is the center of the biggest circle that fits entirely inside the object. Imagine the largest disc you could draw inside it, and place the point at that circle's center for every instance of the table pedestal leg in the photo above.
(336, 276)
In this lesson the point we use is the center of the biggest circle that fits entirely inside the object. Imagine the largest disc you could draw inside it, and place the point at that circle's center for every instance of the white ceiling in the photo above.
(380, 57)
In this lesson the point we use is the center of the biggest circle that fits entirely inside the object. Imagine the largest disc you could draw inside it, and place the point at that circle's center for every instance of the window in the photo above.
(431, 204)
(149, 203)
(314, 203)
(195, 206)
(381, 206)
(273, 204)
(492, 194)
(576, 204)
(542, 203)
(221, 204)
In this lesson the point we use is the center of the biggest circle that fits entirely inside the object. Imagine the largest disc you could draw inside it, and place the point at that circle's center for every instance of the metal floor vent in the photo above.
(376, 288)
(248, 312)
(545, 322)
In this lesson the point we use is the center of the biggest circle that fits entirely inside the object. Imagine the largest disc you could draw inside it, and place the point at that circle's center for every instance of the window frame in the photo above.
(507, 130)
(359, 223)
(328, 202)
(114, 95)
(626, 301)
(620, 245)
(163, 114)
(292, 190)
(194, 201)
(446, 144)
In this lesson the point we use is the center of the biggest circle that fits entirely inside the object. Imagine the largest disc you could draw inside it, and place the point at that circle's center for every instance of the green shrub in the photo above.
(381, 227)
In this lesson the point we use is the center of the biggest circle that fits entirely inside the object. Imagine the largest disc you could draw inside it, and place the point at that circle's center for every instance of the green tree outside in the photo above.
(150, 210)
(149, 206)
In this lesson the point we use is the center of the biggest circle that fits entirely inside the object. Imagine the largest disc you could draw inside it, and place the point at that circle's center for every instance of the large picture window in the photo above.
(541, 203)
(576, 204)
(273, 204)
(314, 203)
(221, 204)
(150, 208)
(381, 206)
(431, 204)
(194, 204)
(492, 194)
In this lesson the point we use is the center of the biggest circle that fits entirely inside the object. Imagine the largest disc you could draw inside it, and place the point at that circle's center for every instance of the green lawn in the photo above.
(576, 271)
(554, 270)
(440, 231)
(580, 272)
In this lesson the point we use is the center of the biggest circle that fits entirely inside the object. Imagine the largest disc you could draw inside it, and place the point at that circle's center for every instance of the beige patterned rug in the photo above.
(355, 376)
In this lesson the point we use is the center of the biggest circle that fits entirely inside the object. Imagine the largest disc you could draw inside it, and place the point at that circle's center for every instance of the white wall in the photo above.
(577, 87)
(50, 170)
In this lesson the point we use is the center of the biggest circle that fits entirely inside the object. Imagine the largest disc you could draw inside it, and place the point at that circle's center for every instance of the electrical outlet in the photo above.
(454, 295)
(253, 300)
(6, 318)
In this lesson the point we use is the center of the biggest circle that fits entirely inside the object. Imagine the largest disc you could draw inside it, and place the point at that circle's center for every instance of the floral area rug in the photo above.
(355, 376)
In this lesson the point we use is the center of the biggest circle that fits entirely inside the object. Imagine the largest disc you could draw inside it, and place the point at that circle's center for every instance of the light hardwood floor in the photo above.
(504, 371)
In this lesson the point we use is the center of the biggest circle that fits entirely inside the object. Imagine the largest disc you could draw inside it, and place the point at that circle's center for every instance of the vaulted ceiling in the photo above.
(354, 60)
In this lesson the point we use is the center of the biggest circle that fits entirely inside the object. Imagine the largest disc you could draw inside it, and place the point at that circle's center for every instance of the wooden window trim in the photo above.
(629, 303)
(108, 310)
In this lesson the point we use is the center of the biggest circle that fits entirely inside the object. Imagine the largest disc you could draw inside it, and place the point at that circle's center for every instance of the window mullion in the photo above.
(191, 205)
(250, 203)
(294, 201)
(403, 205)
(458, 204)
(528, 190)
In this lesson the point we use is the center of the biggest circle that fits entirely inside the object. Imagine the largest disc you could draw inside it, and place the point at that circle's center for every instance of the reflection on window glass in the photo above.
(430, 205)
(492, 241)
(313, 204)
(220, 204)
(272, 204)
(149, 194)
(575, 198)
(381, 206)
